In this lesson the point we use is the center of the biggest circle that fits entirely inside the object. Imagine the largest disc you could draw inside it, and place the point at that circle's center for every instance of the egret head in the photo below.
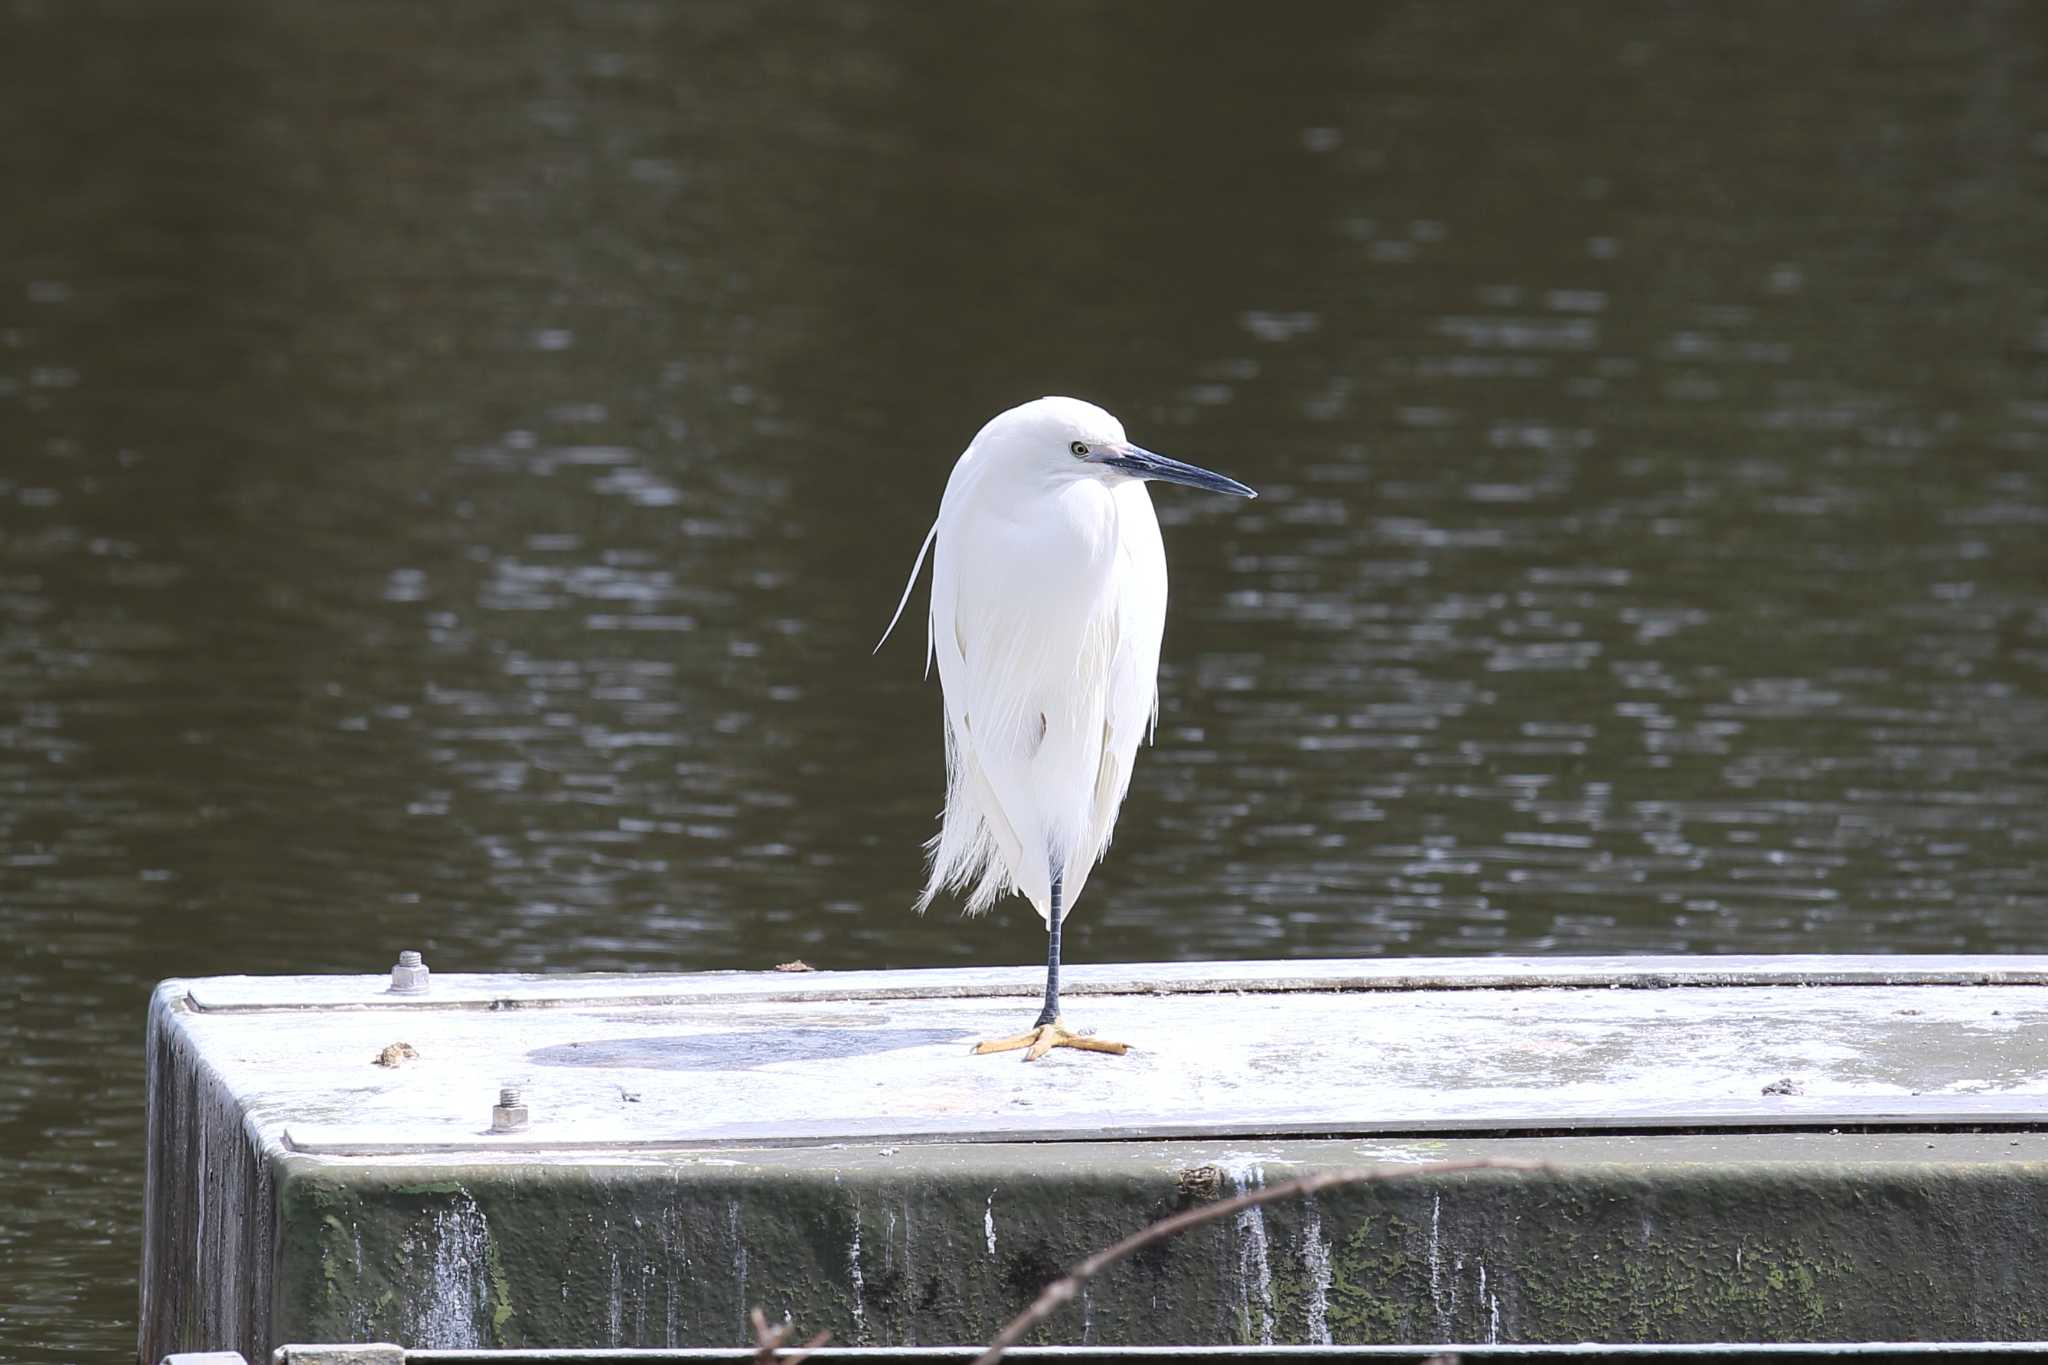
(1064, 439)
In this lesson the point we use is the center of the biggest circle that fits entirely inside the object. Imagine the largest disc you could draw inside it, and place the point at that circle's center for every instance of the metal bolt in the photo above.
(409, 976)
(509, 1116)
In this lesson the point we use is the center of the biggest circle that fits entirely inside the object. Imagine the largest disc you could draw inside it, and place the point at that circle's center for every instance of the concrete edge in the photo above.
(541, 991)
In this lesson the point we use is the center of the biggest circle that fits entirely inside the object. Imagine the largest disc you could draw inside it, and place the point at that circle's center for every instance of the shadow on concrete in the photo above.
(743, 1051)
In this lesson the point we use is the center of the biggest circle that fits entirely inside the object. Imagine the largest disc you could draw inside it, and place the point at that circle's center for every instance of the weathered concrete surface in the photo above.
(696, 1148)
(1853, 1239)
(634, 1062)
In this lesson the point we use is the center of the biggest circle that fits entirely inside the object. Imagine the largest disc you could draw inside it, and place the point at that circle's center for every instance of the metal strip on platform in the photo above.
(500, 991)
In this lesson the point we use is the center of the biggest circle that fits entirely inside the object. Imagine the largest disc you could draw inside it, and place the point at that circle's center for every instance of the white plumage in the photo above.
(1046, 629)
(1048, 604)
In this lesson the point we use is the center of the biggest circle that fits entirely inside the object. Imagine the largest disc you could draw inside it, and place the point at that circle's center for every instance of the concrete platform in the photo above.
(1743, 1148)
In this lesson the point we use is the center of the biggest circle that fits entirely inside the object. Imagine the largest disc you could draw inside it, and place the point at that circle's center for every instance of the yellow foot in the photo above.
(1045, 1038)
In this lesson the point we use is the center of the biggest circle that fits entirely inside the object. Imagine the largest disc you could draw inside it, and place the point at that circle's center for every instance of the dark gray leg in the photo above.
(1048, 1032)
(1052, 960)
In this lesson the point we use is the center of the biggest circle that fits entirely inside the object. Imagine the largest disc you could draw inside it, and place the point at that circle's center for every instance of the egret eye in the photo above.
(1080, 449)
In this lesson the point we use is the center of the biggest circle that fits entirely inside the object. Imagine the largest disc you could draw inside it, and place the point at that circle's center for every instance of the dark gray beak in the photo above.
(1141, 463)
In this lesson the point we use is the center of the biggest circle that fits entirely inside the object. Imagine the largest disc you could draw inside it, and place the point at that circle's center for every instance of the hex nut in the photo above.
(409, 974)
(509, 1114)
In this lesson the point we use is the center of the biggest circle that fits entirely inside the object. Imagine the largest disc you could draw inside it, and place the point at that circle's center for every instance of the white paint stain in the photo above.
(457, 1301)
(1492, 1302)
(1254, 1259)
(988, 1222)
(1315, 1255)
(860, 1304)
(739, 1262)
(615, 1317)
(1436, 1270)
(643, 1295)
(361, 1321)
(1442, 1302)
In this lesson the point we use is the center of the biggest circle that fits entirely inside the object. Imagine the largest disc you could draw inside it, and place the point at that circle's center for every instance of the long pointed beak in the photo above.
(1144, 464)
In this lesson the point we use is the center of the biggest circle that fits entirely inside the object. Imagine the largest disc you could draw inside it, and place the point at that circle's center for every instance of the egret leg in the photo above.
(1048, 1032)
(1051, 1012)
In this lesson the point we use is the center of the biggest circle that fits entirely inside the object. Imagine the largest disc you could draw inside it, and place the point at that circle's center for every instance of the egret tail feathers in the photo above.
(976, 845)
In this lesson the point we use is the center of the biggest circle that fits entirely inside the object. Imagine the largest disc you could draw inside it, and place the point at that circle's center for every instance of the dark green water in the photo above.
(454, 462)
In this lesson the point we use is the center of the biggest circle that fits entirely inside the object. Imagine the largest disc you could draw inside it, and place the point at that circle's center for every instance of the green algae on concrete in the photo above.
(943, 1244)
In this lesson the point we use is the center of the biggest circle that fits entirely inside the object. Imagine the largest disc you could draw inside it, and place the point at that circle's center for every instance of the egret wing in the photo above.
(978, 842)
(1131, 706)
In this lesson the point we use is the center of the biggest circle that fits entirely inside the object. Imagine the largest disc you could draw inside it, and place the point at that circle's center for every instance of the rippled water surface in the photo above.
(454, 462)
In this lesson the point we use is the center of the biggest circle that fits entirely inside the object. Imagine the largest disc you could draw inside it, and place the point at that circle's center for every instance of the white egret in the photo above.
(1048, 603)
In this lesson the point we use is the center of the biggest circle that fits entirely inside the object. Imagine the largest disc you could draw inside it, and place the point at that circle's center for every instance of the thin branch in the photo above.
(768, 1342)
(1068, 1285)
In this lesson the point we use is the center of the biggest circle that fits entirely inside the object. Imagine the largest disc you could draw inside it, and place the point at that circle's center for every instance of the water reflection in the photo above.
(456, 464)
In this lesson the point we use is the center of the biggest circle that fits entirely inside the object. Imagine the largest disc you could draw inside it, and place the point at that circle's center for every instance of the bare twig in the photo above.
(768, 1342)
(1069, 1284)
